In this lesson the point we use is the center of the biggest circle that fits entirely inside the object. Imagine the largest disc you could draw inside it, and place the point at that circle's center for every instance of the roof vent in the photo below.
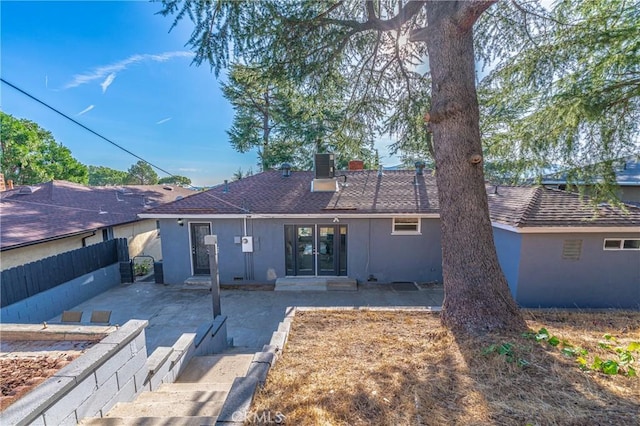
(286, 169)
(167, 188)
(28, 189)
(226, 186)
(419, 167)
(380, 171)
(325, 167)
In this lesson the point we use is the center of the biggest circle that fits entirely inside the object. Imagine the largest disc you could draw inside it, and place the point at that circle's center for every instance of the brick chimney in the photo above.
(356, 165)
(2, 186)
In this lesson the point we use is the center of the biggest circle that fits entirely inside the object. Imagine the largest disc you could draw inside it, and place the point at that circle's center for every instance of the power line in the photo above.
(13, 86)
(83, 126)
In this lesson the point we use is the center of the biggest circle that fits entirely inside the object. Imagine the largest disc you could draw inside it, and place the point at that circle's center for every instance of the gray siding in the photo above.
(371, 250)
(599, 279)
(508, 247)
(176, 253)
(396, 257)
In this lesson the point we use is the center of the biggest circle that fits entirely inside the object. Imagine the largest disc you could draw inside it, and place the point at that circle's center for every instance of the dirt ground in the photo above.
(404, 368)
(24, 365)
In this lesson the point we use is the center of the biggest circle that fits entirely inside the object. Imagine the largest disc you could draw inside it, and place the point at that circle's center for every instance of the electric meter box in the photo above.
(247, 244)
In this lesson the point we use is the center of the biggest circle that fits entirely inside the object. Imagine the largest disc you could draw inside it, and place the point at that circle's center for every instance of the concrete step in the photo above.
(194, 387)
(316, 284)
(161, 408)
(220, 368)
(171, 396)
(197, 282)
(196, 397)
(150, 421)
(342, 284)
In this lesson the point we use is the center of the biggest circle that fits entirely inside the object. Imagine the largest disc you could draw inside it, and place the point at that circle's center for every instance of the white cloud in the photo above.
(87, 109)
(104, 72)
(107, 81)
(164, 120)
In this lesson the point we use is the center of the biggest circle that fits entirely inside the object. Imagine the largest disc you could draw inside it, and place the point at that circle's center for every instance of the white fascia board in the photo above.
(566, 229)
(288, 216)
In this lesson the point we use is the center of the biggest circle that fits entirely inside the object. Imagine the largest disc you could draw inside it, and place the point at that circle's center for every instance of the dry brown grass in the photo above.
(404, 368)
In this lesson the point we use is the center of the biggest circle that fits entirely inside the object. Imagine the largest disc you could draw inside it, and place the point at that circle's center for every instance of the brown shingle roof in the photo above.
(58, 208)
(393, 193)
(270, 193)
(537, 206)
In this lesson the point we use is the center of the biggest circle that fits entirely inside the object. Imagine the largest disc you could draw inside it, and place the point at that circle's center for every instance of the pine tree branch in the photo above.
(469, 11)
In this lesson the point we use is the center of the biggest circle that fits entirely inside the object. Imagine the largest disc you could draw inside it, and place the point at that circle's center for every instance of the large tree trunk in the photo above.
(477, 296)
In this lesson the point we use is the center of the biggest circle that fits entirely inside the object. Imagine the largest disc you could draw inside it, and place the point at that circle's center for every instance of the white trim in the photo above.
(418, 231)
(339, 214)
(621, 245)
(566, 229)
(189, 232)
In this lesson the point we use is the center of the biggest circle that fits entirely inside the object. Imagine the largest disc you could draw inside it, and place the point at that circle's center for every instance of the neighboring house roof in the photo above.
(537, 206)
(627, 173)
(56, 209)
(395, 192)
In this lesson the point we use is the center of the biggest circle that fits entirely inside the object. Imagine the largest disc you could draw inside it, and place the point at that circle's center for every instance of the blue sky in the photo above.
(115, 67)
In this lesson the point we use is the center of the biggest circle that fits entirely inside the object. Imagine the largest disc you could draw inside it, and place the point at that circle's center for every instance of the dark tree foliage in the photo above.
(101, 176)
(141, 173)
(564, 90)
(175, 180)
(30, 154)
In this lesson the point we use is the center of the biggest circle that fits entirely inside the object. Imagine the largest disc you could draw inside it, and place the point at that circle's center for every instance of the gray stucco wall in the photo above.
(599, 279)
(50, 303)
(508, 247)
(371, 250)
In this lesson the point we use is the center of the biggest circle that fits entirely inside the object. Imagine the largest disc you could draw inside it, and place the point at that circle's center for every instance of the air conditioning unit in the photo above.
(325, 167)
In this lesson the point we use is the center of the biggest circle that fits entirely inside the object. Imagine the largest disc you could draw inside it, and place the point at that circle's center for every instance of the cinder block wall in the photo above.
(112, 370)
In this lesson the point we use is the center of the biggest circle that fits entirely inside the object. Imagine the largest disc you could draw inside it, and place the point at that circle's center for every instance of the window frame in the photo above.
(417, 231)
(620, 245)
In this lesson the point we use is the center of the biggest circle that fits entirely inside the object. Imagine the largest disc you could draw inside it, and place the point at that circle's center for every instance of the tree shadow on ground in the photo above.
(406, 369)
(533, 382)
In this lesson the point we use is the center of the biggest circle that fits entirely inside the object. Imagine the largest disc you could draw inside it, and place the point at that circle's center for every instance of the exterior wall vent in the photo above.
(571, 249)
(325, 168)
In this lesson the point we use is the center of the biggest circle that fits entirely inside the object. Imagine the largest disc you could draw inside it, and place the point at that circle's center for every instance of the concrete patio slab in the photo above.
(252, 315)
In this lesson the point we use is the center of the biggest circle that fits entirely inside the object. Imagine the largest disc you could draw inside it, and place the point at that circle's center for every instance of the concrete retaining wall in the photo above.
(93, 383)
(166, 363)
(50, 303)
(114, 370)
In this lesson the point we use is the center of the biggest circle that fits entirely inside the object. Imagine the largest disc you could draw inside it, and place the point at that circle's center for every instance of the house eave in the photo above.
(331, 215)
(566, 229)
(49, 239)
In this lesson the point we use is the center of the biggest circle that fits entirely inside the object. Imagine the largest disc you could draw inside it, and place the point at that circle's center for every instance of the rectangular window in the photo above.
(621, 244)
(406, 225)
(107, 234)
